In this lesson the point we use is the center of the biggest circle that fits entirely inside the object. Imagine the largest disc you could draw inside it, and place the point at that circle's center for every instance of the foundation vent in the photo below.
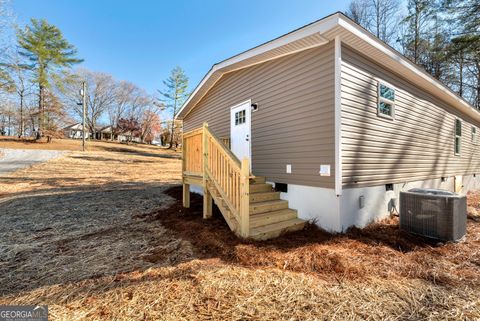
(433, 213)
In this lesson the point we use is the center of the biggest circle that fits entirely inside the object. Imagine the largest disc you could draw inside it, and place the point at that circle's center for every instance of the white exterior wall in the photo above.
(316, 204)
(196, 189)
(471, 183)
(378, 203)
(337, 213)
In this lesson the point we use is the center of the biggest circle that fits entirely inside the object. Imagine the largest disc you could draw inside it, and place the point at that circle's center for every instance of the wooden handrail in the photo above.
(222, 145)
(206, 155)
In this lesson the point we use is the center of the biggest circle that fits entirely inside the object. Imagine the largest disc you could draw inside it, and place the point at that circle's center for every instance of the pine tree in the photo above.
(466, 13)
(175, 95)
(48, 53)
(418, 22)
(463, 52)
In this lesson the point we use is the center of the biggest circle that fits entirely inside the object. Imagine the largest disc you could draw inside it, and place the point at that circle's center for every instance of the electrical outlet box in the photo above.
(289, 169)
(361, 201)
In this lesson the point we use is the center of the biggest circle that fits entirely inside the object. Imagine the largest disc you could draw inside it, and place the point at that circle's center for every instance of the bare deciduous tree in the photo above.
(101, 94)
(380, 17)
(123, 96)
(19, 74)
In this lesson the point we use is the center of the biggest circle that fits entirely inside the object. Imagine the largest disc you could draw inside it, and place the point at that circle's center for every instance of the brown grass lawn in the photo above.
(63, 144)
(101, 235)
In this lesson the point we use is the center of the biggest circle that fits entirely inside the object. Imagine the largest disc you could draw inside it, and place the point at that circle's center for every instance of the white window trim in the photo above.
(457, 136)
(385, 100)
(474, 136)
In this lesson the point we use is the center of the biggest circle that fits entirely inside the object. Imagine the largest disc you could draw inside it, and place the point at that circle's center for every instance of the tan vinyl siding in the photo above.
(294, 123)
(418, 144)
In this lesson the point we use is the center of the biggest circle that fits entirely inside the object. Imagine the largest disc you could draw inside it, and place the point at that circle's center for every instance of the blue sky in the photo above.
(142, 40)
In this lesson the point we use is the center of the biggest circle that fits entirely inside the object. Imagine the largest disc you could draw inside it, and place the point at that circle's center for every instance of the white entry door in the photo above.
(240, 130)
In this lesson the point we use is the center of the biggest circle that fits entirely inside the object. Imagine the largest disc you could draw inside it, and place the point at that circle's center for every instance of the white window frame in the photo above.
(457, 136)
(474, 135)
(385, 100)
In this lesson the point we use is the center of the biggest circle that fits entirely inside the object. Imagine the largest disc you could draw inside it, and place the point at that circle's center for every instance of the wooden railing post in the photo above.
(207, 197)
(186, 187)
(245, 198)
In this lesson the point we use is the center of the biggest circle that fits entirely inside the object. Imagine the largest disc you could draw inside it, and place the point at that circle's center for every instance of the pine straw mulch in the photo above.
(378, 273)
(380, 250)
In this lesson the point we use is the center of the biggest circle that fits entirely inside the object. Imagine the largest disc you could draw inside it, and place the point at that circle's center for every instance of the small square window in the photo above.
(385, 108)
(240, 117)
(386, 101)
(387, 92)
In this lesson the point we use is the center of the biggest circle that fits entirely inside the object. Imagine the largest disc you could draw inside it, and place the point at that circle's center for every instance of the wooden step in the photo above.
(262, 219)
(258, 188)
(268, 206)
(258, 180)
(264, 196)
(274, 230)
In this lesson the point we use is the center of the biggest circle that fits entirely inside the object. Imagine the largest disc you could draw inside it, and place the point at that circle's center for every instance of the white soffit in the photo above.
(320, 33)
(364, 42)
(307, 37)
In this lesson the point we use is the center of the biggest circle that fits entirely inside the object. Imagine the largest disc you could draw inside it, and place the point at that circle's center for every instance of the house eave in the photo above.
(298, 40)
(320, 33)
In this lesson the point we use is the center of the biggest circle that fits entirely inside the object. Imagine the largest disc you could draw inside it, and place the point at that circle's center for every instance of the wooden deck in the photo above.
(249, 205)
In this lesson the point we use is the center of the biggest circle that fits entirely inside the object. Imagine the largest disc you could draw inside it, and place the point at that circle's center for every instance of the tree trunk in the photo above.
(171, 134)
(22, 122)
(40, 107)
(417, 34)
(460, 88)
(478, 85)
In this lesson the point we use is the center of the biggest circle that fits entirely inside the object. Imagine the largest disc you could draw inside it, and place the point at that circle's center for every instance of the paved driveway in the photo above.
(15, 159)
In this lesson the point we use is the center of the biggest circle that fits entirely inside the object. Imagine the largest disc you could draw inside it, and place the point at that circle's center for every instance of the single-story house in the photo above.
(74, 131)
(107, 133)
(129, 137)
(336, 120)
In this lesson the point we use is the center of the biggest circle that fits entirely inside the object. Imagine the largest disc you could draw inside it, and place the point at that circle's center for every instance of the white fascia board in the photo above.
(320, 26)
(462, 105)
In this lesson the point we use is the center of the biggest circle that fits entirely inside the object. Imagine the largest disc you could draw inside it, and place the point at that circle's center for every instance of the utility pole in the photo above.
(84, 103)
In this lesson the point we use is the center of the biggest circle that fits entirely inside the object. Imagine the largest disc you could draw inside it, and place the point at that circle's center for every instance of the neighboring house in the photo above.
(74, 131)
(107, 133)
(128, 137)
(334, 118)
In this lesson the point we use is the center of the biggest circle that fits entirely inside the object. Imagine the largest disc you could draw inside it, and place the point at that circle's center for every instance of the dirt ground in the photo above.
(71, 218)
(102, 235)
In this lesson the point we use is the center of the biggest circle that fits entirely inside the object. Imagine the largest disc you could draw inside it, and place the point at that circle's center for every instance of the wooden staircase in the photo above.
(250, 206)
(269, 215)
